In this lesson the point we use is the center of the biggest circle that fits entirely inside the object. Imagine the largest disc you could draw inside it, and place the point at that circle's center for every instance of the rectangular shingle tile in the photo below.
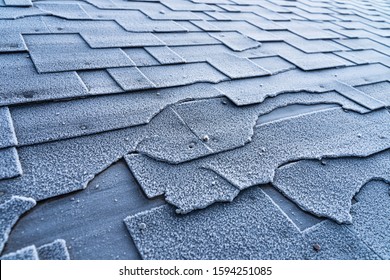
(366, 56)
(364, 44)
(140, 57)
(64, 10)
(256, 21)
(9, 163)
(18, 3)
(221, 232)
(131, 78)
(187, 39)
(206, 25)
(60, 52)
(379, 91)
(175, 75)
(308, 31)
(12, 42)
(218, 15)
(235, 40)
(121, 39)
(165, 55)
(273, 64)
(17, 12)
(236, 67)
(200, 53)
(31, 86)
(99, 82)
(7, 133)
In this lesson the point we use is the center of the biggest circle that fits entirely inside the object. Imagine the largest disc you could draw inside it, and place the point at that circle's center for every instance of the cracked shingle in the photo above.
(341, 178)
(55, 53)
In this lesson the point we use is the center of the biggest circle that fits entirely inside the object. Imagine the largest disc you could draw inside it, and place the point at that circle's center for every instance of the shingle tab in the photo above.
(130, 78)
(7, 133)
(187, 39)
(99, 82)
(186, 74)
(236, 67)
(140, 57)
(10, 165)
(168, 236)
(31, 86)
(64, 10)
(165, 55)
(56, 250)
(235, 41)
(54, 53)
(27, 253)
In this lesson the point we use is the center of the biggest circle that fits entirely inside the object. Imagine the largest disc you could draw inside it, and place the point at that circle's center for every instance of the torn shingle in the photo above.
(235, 41)
(371, 217)
(11, 210)
(130, 78)
(55, 53)
(341, 178)
(10, 165)
(165, 55)
(7, 133)
(205, 234)
(236, 67)
(56, 250)
(27, 253)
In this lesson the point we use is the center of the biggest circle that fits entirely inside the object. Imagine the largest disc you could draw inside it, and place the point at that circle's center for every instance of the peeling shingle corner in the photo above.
(56, 250)
(27, 253)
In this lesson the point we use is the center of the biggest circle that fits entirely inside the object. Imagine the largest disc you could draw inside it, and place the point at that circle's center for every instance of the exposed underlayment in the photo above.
(112, 108)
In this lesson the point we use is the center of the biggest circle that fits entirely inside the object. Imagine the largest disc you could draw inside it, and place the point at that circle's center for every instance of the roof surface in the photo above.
(194, 129)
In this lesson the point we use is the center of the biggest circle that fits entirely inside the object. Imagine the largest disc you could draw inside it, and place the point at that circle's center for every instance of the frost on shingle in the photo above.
(9, 163)
(236, 67)
(251, 227)
(366, 56)
(64, 10)
(10, 212)
(327, 187)
(249, 91)
(130, 78)
(65, 52)
(31, 86)
(182, 74)
(165, 55)
(11, 42)
(17, 12)
(235, 41)
(27, 253)
(140, 57)
(274, 64)
(187, 39)
(56, 250)
(99, 82)
(67, 119)
(371, 217)
(18, 3)
(331, 241)
(7, 133)
(187, 188)
(379, 91)
(279, 142)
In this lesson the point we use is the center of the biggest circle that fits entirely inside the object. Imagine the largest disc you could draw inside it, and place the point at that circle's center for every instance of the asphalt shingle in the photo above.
(10, 165)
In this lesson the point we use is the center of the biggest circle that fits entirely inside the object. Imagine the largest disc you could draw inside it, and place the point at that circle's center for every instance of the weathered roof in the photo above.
(194, 129)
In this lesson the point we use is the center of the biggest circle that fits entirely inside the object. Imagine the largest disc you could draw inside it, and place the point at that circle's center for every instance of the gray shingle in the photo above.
(31, 86)
(131, 78)
(64, 10)
(10, 165)
(99, 82)
(274, 64)
(251, 91)
(244, 167)
(10, 212)
(54, 251)
(27, 253)
(235, 41)
(17, 12)
(165, 55)
(54, 53)
(336, 242)
(236, 67)
(61, 120)
(11, 42)
(7, 133)
(205, 234)
(187, 39)
(371, 217)
(366, 56)
(379, 91)
(177, 75)
(18, 3)
(341, 178)
(141, 57)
